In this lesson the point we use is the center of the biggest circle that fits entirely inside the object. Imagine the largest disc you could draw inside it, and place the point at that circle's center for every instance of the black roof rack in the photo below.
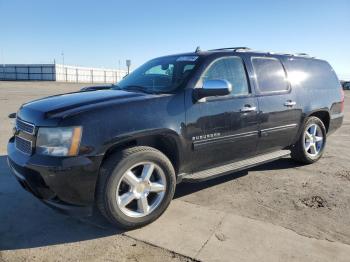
(231, 48)
(301, 54)
(291, 54)
(234, 49)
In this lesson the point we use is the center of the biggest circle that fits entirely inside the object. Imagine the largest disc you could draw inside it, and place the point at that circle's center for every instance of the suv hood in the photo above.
(59, 105)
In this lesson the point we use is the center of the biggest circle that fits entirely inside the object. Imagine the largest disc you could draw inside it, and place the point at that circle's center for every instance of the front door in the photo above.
(222, 129)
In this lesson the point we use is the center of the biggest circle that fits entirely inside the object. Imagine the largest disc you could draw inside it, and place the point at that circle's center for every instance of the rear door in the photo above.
(222, 129)
(280, 113)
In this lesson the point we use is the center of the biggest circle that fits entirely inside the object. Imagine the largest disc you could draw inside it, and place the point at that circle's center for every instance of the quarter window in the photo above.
(270, 74)
(230, 69)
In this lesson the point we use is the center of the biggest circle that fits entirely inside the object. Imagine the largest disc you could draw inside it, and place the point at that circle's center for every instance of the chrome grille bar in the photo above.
(25, 126)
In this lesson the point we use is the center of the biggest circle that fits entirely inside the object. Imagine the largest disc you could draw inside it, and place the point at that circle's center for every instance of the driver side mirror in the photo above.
(217, 87)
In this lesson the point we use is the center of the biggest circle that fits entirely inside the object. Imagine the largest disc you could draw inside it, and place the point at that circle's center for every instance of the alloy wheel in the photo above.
(313, 140)
(141, 189)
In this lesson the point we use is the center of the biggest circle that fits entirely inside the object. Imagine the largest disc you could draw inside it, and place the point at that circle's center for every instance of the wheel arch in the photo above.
(323, 115)
(166, 141)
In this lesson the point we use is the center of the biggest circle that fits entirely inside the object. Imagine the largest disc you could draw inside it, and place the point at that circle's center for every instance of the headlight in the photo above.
(58, 141)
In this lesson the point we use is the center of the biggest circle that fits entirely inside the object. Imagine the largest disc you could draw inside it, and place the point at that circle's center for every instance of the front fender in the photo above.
(142, 136)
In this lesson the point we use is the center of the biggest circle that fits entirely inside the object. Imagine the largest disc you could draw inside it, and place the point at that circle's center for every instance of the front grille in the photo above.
(23, 145)
(25, 126)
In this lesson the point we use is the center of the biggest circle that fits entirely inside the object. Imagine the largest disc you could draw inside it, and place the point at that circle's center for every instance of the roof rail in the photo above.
(243, 48)
(302, 54)
(231, 48)
(291, 54)
(280, 53)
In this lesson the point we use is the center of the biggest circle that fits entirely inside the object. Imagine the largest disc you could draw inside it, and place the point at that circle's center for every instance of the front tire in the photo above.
(311, 143)
(135, 186)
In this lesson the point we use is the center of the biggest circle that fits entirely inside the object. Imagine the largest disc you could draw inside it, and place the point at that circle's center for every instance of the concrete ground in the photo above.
(279, 211)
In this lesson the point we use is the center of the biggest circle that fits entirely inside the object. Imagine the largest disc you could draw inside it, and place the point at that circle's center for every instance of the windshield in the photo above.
(160, 75)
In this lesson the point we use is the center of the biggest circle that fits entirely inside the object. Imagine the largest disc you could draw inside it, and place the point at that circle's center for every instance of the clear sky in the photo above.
(101, 33)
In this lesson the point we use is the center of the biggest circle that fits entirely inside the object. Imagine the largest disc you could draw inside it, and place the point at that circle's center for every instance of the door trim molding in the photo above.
(221, 139)
(199, 144)
(278, 128)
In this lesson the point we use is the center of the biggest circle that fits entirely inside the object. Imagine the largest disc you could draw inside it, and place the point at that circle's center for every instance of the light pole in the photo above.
(64, 70)
(62, 54)
(128, 64)
(2, 58)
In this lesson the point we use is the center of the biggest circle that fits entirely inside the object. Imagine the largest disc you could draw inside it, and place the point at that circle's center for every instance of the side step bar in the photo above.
(233, 167)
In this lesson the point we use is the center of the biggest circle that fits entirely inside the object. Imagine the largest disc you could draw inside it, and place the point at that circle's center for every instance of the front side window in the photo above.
(160, 75)
(270, 74)
(230, 69)
(161, 70)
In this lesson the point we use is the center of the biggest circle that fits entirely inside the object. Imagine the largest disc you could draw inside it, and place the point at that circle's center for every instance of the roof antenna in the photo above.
(198, 49)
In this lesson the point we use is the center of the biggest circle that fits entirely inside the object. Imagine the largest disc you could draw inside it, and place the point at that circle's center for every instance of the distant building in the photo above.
(60, 73)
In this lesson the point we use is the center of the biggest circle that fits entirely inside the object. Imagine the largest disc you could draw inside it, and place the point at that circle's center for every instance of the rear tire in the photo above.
(311, 143)
(135, 186)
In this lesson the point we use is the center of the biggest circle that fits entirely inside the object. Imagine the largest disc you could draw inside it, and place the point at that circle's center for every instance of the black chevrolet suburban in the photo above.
(186, 117)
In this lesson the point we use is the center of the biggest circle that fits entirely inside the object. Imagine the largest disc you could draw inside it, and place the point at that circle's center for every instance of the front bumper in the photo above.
(64, 183)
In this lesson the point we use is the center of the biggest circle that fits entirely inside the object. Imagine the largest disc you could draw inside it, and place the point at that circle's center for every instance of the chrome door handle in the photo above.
(290, 103)
(246, 109)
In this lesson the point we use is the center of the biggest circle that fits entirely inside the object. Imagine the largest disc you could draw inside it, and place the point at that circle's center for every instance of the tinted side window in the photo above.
(270, 74)
(311, 73)
(161, 70)
(230, 69)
